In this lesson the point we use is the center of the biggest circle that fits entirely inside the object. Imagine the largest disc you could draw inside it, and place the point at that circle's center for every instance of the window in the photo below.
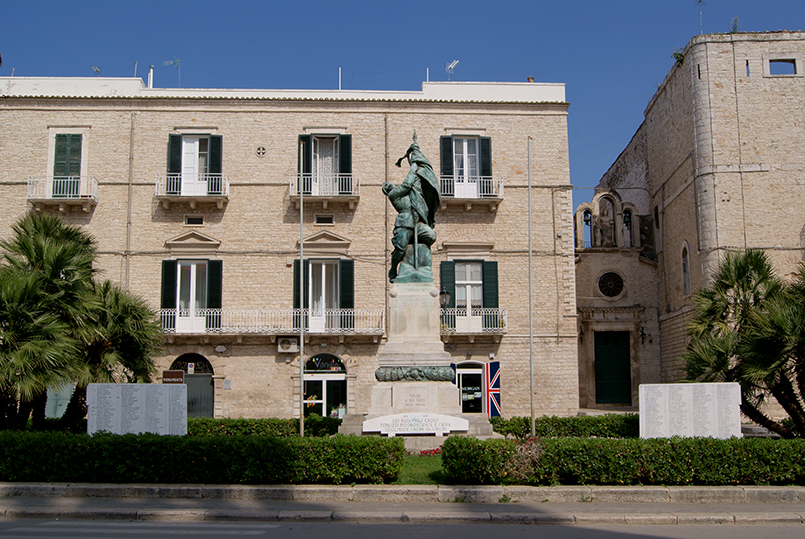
(787, 66)
(195, 165)
(610, 284)
(466, 167)
(587, 221)
(191, 295)
(325, 165)
(325, 386)
(324, 219)
(473, 289)
(329, 296)
(193, 220)
(67, 166)
(627, 228)
(685, 271)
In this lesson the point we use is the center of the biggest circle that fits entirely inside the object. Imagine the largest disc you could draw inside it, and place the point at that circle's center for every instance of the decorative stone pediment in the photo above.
(463, 249)
(192, 243)
(325, 243)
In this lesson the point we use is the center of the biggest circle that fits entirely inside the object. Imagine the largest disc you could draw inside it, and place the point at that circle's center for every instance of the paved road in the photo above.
(47, 529)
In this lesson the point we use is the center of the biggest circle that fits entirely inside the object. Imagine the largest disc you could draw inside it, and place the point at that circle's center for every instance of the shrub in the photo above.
(603, 426)
(315, 425)
(665, 461)
(149, 458)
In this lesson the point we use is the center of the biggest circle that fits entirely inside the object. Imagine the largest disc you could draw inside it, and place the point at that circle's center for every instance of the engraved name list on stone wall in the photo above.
(437, 424)
(137, 408)
(688, 410)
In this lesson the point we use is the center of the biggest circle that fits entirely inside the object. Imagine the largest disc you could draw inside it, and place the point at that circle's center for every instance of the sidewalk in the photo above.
(420, 504)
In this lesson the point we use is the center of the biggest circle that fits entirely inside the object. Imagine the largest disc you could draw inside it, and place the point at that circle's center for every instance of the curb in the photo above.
(415, 493)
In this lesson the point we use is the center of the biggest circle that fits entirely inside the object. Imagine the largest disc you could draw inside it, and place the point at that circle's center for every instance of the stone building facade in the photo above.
(716, 166)
(195, 197)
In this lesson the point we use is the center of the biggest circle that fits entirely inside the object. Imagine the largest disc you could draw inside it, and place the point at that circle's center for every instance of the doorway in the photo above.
(200, 390)
(613, 380)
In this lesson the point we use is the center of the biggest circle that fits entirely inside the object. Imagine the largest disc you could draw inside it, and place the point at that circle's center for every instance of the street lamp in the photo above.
(444, 298)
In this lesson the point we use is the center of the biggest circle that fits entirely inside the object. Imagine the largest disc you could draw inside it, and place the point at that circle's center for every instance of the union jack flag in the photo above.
(492, 388)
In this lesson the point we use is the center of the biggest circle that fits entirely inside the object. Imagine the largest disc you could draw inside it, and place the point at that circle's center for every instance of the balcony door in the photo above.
(67, 166)
(324, 179)
(466, 166)
(195, 151)
(323, 286)
(469, 297)
(191, 296)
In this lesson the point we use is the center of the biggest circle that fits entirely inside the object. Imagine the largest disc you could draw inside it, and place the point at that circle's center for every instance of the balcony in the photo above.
(456, 322)
(192, 189)
(63, 191)
(468, 192)
(325, 188)
(336, 322)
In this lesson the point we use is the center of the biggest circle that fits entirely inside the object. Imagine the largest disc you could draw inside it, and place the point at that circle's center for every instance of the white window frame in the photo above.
(328, 298)
(469, 321)
(191, 318)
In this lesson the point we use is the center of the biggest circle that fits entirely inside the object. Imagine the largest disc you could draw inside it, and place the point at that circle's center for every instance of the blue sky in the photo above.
(611, 54)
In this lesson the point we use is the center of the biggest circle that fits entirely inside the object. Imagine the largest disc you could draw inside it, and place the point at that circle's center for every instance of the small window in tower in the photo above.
(747, 68)
(783, 66)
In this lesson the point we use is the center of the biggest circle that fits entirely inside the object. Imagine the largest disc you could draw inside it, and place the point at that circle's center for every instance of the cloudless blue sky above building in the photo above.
(612, 54)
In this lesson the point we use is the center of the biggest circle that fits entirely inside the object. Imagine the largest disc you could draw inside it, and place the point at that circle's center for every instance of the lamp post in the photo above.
(444, 298)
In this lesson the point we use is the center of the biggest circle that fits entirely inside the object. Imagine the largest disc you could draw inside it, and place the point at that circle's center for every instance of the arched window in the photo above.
(325, 386)
(685, 271)
(587, 219)
(627, 228)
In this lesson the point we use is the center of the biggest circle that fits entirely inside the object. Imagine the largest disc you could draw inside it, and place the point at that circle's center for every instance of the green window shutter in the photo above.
(447, 156)
(447, 278)
(447, 273)
(345, 154)
(174, 154)
(345, 164)
(305, 165)
(486, 157)
(214, 164)
(168, 293)
(346, 292)
(490, 278)
(296, 302)
(214, 284)
(67, 161)
(214, 292)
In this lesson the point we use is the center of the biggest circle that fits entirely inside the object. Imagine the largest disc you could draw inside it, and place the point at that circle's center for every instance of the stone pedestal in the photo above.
(414, 375)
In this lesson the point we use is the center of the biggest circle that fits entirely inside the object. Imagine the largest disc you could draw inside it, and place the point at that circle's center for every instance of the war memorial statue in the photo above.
(416, 200)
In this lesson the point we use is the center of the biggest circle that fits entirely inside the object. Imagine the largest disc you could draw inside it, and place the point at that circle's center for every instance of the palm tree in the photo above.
(118, 345)
(78, 332)
(735, 319)
(36, 351)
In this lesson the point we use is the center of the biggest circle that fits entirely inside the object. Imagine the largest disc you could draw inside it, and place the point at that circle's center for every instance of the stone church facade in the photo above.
(717, 166)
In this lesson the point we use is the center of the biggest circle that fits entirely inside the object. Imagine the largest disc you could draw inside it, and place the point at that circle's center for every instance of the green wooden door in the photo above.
(199, 395)
(613, 381)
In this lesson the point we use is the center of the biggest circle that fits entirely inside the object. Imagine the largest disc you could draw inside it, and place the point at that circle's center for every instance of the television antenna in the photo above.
(177, 63)
(97, 70)
(450, 67)
(701, 26)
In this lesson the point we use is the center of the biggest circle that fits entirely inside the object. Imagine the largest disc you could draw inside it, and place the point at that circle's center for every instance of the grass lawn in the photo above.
(421, 470)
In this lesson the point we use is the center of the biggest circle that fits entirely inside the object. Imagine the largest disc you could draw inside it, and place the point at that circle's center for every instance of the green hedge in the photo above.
(668, 461)
(148, 458)
(314, 426)
(602, 426)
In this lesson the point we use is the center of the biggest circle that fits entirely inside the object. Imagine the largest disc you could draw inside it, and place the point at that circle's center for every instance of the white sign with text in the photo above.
(690, 410)
(413, 423)
(137, 408)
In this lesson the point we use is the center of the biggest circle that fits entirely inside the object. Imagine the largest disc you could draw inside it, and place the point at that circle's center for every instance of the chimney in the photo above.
(151, 77)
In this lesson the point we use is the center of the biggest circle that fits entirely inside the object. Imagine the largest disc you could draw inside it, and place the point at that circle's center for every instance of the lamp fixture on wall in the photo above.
(643, 336)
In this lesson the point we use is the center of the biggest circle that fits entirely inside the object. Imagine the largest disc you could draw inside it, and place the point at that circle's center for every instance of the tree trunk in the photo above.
(38, 411)
(76, 411)
(23, 412)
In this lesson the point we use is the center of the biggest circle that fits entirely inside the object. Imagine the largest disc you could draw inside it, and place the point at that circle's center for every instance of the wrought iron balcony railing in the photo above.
(474, 322)
(273, 321)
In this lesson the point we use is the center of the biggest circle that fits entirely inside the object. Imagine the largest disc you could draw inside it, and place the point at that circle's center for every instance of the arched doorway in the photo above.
(200, 391)
(325, 386)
